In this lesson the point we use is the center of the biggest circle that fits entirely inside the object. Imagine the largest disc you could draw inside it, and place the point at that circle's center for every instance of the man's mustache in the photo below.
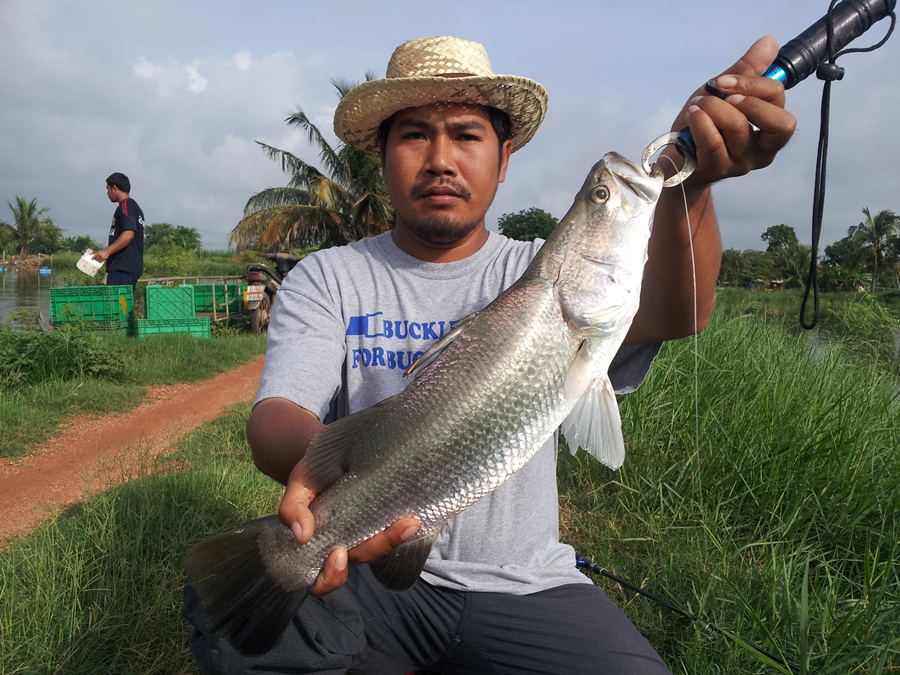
(458, 187)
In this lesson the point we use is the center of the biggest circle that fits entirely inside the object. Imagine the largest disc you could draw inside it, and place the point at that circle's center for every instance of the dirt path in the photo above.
(95, 453)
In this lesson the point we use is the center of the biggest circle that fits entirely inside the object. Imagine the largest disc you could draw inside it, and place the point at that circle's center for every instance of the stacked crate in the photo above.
(169, 310)
(226, 297)
(96, 308)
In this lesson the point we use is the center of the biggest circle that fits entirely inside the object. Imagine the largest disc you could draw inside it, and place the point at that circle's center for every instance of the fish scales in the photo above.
(493, 429)
(489, 395)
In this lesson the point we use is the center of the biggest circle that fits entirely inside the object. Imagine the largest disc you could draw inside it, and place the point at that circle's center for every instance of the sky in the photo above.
(175, 94)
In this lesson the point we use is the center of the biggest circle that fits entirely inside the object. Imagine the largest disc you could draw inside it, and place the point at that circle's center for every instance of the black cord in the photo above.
(829, 72)
(584, 563)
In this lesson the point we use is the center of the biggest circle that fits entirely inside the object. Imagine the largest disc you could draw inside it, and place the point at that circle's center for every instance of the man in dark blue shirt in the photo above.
(124, 252)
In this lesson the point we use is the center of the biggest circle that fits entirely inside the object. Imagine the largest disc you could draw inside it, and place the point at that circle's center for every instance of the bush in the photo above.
(33, 356)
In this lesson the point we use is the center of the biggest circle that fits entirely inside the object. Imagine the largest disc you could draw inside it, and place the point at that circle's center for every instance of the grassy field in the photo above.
(97, 590)
(162, 263)
(48, 376)
(772, 513)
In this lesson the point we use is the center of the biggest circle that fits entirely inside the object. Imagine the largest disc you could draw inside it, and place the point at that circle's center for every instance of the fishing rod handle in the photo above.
(799, 58)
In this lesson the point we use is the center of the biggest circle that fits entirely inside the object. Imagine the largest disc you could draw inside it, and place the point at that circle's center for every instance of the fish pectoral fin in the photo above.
(595, 425)
(340, 447)
(400, 568)
(435, 350)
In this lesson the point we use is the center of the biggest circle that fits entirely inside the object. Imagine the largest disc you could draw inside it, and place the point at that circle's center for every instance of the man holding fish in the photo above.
(491, 589)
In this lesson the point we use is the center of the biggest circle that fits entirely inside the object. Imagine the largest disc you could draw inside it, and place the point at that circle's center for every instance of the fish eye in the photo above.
(599, 194)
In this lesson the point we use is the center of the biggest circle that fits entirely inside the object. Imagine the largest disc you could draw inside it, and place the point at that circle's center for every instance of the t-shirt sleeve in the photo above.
(630, 365)
(127, 215)
(306, 342)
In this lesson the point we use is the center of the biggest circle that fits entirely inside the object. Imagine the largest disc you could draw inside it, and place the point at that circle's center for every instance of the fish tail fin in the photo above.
(242, 600)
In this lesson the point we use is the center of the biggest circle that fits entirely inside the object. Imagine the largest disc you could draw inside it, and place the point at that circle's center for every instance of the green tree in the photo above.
(8, 238)
(790, 257)
(875, 235)
(346, 201)
(759, 266)
(79, 243)
(48, 237)
(731, 271)
(780, 237)
(34, 232)
(848, 253)
(527, 225)
(166, 235)
(835, 277)
(747, 267)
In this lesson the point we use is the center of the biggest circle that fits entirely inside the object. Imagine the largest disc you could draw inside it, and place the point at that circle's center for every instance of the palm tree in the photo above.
(27, 223)
(876, 233)
(345, 202)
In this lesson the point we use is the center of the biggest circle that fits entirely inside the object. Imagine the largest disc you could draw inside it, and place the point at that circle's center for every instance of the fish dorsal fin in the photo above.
(596, 425)
(341, 447)
(400, 568)
(438, 347)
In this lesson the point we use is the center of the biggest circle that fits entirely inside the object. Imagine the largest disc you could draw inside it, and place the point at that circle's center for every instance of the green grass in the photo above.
(31, 415)
(97, 590)
(778, 521)
(161, 263)
(58, 385)
(865, 326)
(793, 475)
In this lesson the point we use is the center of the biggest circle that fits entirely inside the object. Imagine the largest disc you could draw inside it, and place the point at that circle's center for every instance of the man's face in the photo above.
(113, 193)
(442, 166)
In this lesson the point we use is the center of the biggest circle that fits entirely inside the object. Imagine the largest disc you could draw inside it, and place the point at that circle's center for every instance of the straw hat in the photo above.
(438, 70)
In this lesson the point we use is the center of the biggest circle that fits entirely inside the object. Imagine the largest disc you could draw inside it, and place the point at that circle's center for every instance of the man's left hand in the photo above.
(726, 143)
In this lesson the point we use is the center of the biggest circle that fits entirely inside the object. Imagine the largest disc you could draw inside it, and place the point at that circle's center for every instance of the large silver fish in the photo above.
(484, 400)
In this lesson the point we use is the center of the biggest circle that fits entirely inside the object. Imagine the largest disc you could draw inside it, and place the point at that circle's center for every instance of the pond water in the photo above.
(28, 291)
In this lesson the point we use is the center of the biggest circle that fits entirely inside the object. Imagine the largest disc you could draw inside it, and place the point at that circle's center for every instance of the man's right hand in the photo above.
(294, 512)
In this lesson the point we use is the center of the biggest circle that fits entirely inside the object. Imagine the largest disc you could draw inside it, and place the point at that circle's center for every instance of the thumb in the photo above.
(757, 58)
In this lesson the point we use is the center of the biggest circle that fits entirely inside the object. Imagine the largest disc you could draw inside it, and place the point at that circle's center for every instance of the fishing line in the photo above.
(696, 337)
(586, 564)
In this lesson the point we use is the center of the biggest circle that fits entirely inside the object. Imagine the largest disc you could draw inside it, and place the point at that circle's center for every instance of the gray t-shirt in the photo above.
(349, 320)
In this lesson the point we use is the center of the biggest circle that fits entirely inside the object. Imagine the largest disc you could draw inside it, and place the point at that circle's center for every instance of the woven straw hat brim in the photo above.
(364, 108)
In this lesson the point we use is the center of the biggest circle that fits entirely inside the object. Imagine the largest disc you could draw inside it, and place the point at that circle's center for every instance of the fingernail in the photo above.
(735, 98)
(408, 533)
(297, 529)
(340, 559)
(726, 81)
(693, 108)
(696, 99)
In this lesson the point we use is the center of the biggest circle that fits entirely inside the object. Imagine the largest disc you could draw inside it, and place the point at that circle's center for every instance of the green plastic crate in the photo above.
(120, 327)
(229, 296)
(198, 327)
(169, 302)
(82, 304)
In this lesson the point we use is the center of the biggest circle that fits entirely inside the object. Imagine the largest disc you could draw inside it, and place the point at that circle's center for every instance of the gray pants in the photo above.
(364, 628)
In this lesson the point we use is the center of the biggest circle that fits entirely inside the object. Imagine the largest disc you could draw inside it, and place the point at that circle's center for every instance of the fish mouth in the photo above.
(647, 187)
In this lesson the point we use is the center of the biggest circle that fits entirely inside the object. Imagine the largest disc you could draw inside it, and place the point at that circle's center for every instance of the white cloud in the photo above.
(177, 101)
(243, 61)
(196, 82)
(146, 70)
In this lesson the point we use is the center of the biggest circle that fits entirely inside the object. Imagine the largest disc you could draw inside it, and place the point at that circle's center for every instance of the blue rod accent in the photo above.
(776, 72)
